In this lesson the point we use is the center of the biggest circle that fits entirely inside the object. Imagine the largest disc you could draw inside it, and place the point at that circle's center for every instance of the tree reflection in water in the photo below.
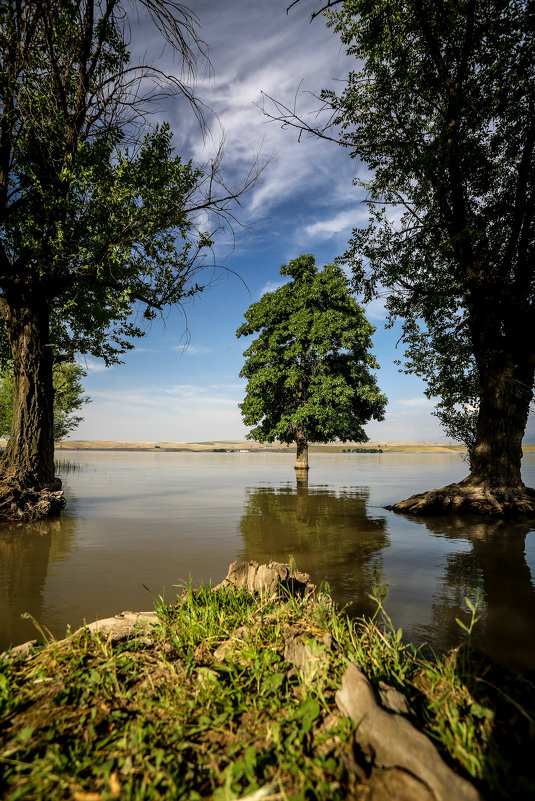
(334, 536)
(497, 564)
(26, 550)
(330, 534)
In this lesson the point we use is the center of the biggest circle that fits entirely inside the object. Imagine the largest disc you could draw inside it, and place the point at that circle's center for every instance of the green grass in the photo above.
(168, 716)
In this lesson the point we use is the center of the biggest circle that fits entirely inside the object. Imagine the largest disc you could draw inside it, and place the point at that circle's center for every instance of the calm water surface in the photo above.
(155, 519)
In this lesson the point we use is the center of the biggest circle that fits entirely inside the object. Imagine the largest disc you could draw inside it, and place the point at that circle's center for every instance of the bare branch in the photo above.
(328, 4)
(289, 118)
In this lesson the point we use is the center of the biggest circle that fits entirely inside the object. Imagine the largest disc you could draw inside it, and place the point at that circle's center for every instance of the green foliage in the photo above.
(102, 225)
(308, 370)
(168, 717)
(96, 208)
(68, 399)
(205, 705)
(440, 108)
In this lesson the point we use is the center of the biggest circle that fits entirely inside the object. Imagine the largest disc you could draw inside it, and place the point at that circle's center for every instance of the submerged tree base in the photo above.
(24, 504)
(470, 497)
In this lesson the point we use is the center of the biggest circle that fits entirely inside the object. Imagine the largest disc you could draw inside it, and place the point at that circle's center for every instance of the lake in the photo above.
(139, 524)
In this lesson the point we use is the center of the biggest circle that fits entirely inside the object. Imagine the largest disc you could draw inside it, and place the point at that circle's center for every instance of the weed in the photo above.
(473, 606)
(66, 466)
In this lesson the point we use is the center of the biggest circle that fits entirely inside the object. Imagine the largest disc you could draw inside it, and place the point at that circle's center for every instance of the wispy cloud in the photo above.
(418, 402)
(192, 350)
(271, 286)
(375, 309)
(93, 366)
(408, 426)
(343, 222)
(290, 61)
(184, 412)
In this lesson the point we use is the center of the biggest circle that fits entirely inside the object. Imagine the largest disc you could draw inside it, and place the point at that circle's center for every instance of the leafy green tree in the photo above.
(441, 109)
(69, 399)
(308, 371)
(98, 216)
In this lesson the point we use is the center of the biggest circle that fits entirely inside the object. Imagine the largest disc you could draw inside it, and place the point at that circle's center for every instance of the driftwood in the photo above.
(405, 764)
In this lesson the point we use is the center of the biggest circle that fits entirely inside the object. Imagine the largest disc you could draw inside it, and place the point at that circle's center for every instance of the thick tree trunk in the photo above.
(301, 457)
(505, 397)
(28, 488)
(494, 486)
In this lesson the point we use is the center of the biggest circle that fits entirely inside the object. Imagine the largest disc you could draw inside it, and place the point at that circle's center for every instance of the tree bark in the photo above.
(494, 486)
(505, 397)
(301, 457)
(28, 488)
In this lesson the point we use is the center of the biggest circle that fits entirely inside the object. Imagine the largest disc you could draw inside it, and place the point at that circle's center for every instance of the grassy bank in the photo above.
(206, 705)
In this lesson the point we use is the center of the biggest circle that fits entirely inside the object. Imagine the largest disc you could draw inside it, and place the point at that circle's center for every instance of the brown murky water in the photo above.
(151, 520)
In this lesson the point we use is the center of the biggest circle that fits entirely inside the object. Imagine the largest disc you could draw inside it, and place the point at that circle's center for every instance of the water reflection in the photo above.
(496, 563)
(336, 536)
(330, 534)
(26, 550)
(149, 519)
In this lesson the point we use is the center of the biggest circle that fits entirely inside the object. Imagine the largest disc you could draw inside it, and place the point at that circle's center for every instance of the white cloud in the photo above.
(183, 413)
(343, 222)
(418, 426)
(93, 366)
(419, 402)
(192, 350)
(286, 58)
(271, 286)
(375, 309)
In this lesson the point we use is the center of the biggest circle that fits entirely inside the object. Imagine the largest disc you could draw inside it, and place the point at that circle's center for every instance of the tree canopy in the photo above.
(441, 109)
(309, 370)
(99, 217)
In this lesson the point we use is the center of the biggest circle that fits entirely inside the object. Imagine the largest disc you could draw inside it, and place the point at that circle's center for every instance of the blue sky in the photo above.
(305, 203)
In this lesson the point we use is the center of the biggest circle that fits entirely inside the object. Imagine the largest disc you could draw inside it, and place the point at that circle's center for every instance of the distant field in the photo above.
(237, 445)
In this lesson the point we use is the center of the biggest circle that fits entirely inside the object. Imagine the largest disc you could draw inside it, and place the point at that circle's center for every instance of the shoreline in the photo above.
(266, 667)
(256, 447)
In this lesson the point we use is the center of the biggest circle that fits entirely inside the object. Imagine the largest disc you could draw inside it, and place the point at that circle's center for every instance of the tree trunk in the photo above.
(29, 489)
(301, 458)
(494, 486)
(505, 397)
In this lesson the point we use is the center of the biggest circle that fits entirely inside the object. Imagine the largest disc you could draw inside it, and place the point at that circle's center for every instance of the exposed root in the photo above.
(23, 504)
(470, 498)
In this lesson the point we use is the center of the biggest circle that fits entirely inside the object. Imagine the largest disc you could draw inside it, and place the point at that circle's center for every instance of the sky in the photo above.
(181, 382)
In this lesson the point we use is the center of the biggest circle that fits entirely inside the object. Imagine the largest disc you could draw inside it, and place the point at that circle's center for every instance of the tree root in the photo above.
(22, 504)
(471, 498)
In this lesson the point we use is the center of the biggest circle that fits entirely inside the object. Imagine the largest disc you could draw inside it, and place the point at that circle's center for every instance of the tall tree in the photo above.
(308, 371)
(97, 213)
(441, 108)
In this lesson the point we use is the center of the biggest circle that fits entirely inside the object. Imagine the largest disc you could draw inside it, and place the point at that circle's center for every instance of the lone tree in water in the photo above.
(98, 216)
(441, 108)
(308, 371)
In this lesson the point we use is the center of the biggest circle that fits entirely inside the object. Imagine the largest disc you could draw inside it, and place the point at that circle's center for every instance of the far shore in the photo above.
(245, 445)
